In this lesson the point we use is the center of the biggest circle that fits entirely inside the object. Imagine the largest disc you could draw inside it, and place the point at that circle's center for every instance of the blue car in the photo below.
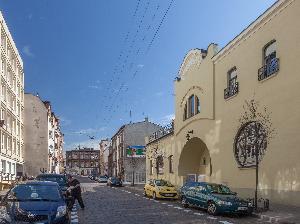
(35, 202)
(215, 198)
(60, 179)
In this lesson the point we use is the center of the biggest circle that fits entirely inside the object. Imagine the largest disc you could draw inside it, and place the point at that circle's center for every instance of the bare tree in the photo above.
(254, 134)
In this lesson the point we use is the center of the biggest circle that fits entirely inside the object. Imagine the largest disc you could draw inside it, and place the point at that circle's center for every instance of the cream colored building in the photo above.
(12, 106)
(209, 142)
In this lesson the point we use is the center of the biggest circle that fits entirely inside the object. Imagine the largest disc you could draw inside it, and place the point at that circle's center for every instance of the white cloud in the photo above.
(165, 119)
(88, 143)
(30, 16)
(159, 94)
(27, 51)
(65, 121)
(140, 65)
(94, 87)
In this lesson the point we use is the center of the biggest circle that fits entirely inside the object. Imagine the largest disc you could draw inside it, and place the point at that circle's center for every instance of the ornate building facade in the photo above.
(236, 107)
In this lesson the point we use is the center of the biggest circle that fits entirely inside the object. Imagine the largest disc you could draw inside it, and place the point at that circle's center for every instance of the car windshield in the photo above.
(219, 189)
(163, 183)
(35, 192)
(58, 179)
(104, 177)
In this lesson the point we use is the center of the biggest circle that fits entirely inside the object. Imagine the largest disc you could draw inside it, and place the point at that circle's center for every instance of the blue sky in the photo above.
(93, 59)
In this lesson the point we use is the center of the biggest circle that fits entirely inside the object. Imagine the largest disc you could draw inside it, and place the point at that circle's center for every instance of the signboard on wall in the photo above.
(136, 151)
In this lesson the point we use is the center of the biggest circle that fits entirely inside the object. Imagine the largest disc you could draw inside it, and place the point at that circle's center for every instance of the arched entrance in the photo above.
(194, 161)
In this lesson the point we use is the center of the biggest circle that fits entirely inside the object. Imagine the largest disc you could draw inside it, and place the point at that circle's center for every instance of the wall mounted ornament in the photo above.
(254, 134)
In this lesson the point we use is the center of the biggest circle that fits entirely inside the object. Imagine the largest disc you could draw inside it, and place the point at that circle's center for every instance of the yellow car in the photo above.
(160, 189)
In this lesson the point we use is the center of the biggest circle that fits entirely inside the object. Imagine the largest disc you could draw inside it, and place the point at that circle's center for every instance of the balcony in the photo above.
(268, 69)
(164, 131)
(231, 90)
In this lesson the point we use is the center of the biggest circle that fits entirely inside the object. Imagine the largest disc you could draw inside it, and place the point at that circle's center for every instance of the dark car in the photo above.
(114, 181)
(35, 202)
(60, 179)
(216, 198)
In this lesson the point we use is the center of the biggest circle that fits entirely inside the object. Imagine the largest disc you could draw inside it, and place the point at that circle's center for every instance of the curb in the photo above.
(271, 219)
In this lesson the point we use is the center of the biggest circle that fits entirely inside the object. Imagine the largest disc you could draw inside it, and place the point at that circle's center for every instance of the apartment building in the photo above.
(83, 161)
(120, 162)
(104, 153)
(43, 138)
(12, 106)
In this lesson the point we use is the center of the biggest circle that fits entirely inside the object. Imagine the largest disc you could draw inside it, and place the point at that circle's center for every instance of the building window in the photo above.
(151, 167)
(197, 105)
(171, 164)
(3, 166)
(232, 84)
(270, 62)
(160, 165)
(192, 107)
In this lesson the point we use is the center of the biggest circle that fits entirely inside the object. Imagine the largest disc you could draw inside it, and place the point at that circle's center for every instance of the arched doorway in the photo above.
(194, 161)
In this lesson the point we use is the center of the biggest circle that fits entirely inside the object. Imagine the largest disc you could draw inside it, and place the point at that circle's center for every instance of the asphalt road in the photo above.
(126, 205)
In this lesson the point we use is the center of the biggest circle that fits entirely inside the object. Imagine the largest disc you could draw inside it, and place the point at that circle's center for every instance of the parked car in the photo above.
(187, 185)
(216, 198)
(92, 176)
(60, 179)
(101, 179)
(35, 202)
(114, 181)
(160, 189)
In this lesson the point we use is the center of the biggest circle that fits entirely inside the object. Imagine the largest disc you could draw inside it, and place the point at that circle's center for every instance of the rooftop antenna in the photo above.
(130, 115)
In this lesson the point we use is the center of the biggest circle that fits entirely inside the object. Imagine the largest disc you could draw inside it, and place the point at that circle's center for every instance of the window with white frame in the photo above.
(191, 107)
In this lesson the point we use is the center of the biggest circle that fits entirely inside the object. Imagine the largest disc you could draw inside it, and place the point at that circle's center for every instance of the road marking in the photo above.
(137, 195)
(178, 207)
(187, 210)
(164, 203)
(170, 205)
(156, 201)
(210, 217)
(225, 222)
(197, 213)
(74, 215)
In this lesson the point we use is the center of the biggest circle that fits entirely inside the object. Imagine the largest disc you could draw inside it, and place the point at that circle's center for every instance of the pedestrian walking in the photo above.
(75, 191)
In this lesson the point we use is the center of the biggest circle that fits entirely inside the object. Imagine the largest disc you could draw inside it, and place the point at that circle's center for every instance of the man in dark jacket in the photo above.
(75, 190)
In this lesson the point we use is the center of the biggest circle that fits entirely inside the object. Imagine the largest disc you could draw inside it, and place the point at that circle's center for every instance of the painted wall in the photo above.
(36, 135)
(205, 75)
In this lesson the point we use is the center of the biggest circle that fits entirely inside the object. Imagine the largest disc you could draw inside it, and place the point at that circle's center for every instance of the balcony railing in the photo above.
(164, 131)
(268, 69)
(231, 90)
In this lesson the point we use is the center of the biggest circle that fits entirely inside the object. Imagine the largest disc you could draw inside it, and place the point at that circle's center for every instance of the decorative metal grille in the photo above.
(166, 130)
(268, 69)
(250, 139)
(231, 90)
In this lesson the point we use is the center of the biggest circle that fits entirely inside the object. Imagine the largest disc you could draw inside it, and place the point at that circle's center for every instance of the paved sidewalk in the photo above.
(281, 214)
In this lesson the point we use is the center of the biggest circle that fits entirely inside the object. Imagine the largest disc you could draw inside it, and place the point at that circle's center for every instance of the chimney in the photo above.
(146, 119)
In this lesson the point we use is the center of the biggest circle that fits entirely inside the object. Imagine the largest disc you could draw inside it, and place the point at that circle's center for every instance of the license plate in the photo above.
(169, 194)
(242, 208)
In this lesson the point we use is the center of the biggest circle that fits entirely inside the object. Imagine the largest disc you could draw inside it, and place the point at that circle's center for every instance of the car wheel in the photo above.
(145, 194)
(154, 195)
(212, 208)
(184, 202)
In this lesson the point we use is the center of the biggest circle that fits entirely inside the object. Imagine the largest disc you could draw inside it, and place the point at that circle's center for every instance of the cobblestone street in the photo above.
(124, 205)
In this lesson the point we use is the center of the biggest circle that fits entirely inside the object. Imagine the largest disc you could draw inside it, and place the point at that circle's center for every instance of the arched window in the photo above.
(269, 52)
